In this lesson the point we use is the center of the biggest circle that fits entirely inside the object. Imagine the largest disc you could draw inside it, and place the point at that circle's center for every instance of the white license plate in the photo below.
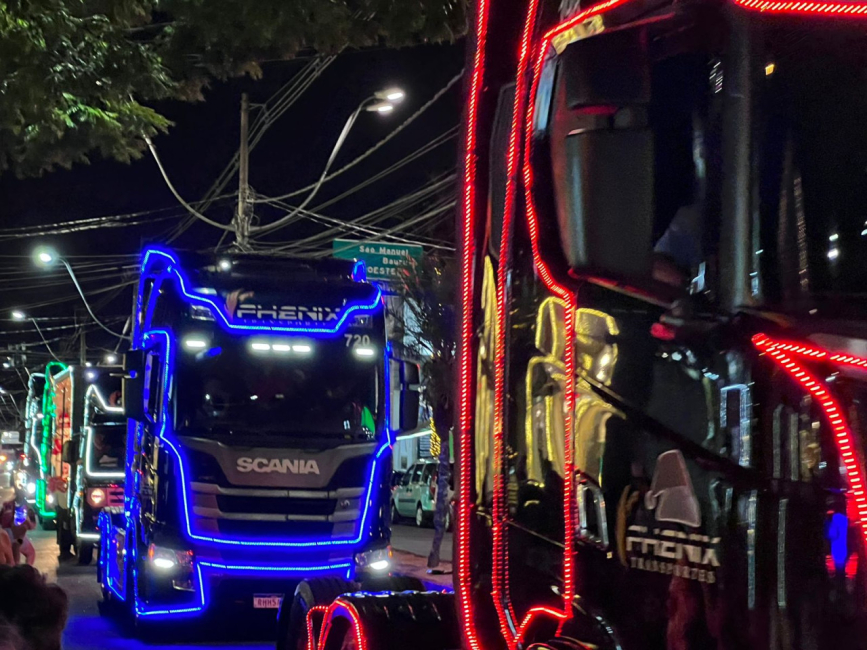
(267, 601)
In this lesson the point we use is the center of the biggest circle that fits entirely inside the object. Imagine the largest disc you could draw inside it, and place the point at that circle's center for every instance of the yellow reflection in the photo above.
(484, 418)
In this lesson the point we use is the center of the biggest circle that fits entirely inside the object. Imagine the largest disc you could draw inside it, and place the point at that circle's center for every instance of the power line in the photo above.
(375, 147)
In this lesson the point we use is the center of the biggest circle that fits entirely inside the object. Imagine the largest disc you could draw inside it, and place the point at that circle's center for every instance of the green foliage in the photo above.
(75, 74)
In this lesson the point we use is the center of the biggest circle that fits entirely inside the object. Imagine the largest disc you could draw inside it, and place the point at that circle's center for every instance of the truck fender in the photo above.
(386, 620)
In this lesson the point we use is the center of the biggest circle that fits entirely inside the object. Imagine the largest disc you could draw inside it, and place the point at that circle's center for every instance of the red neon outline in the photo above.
(532, 614)
(501, 585)
(465, 366)
(349, 608)
(819, 354)
(309, 621)
(854, 9)
(842, 435)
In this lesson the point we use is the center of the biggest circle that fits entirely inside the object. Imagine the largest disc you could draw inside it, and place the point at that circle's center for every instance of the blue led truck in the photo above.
(258, 394)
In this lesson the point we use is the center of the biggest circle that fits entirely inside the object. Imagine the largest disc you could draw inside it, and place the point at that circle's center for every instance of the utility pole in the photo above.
(83, 346)
(242, 218)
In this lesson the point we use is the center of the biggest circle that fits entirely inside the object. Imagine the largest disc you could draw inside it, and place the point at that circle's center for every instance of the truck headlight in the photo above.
(31, 488)
(378, 560)
(168, 559)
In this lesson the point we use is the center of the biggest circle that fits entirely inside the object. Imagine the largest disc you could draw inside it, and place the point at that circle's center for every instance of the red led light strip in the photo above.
(854, 9)
(819, 354)
(535, 612)
(352, 614)
(316, 609)
(842, 435)
(465, 366)
(501, 586)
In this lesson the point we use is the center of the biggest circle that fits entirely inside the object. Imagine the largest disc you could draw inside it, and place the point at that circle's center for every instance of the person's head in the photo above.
(20, 497)
(36, 609)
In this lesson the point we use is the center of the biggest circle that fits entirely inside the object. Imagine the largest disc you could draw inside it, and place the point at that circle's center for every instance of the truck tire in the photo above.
(292, 618)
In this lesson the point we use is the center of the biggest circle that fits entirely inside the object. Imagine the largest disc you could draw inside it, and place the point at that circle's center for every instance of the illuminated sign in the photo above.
(383, 260)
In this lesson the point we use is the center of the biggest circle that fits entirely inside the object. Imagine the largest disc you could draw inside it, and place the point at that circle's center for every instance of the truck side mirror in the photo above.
(602, 156)
(410, 394)
(132, 388)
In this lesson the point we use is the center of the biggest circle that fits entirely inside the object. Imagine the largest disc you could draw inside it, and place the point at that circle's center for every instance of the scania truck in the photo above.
(258, 454)
(663, 337)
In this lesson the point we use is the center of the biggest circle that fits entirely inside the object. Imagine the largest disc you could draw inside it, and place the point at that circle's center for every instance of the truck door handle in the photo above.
(590, 509)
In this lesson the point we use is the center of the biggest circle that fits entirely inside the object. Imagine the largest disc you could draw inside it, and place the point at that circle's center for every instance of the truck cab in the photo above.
(100, 458)
(663, 334)
(259, 437)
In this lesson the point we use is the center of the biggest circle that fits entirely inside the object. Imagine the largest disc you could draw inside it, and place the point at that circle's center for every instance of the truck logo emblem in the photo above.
(281, 465)
(671, 494)
(292, 313)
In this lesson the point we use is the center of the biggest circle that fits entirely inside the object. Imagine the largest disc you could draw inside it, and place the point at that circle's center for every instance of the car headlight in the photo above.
(378, 560)
(96, 497)
(169, 559)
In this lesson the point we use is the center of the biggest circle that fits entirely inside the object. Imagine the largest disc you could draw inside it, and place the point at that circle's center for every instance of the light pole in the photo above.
(382, 102)
(47, 257)
(19, 315)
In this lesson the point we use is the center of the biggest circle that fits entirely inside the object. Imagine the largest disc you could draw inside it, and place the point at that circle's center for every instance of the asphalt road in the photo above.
(87, 629)
(409, 538)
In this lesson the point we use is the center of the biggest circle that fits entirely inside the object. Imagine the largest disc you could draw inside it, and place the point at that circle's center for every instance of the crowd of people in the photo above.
(32, 611)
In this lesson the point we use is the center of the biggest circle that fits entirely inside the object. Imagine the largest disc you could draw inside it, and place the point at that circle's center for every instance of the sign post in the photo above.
(383, 260)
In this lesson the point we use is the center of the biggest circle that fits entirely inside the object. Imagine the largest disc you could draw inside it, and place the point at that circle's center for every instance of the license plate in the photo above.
(267, 601)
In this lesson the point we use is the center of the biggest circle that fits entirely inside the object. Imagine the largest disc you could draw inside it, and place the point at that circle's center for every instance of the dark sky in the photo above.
(201, 143)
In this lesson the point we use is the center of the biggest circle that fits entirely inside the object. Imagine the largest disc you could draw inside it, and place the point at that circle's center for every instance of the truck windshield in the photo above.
(107, 446)
(813, 167)
(318, 388)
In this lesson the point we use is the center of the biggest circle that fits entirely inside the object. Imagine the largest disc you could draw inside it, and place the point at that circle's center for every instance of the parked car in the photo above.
(414, 496)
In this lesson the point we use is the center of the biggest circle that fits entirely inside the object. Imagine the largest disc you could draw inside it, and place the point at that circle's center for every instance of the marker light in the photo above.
(195, 343)
(96, 497)
(302, 348)
(260, 347)
(281, 347)
(363, 351)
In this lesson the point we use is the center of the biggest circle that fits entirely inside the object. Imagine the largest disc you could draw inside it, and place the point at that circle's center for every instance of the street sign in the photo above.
(383, 260)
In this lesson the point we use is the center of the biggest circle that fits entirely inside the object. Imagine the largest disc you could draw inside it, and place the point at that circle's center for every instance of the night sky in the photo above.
(203, 140)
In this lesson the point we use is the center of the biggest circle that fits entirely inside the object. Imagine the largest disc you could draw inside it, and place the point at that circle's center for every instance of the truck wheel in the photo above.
(84, 552)
(419, 516)
(292, 618)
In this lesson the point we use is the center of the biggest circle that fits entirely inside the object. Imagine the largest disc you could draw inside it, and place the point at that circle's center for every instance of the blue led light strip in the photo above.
(152, 255)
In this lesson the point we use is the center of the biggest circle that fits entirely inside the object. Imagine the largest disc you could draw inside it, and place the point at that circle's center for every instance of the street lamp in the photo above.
(111, 359)
(46, 257)
(19, 315)
(382, 102)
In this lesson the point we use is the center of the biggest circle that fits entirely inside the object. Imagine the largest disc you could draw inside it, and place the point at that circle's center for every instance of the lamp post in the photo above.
(382, 102)
(46, 257)
(19, 315)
